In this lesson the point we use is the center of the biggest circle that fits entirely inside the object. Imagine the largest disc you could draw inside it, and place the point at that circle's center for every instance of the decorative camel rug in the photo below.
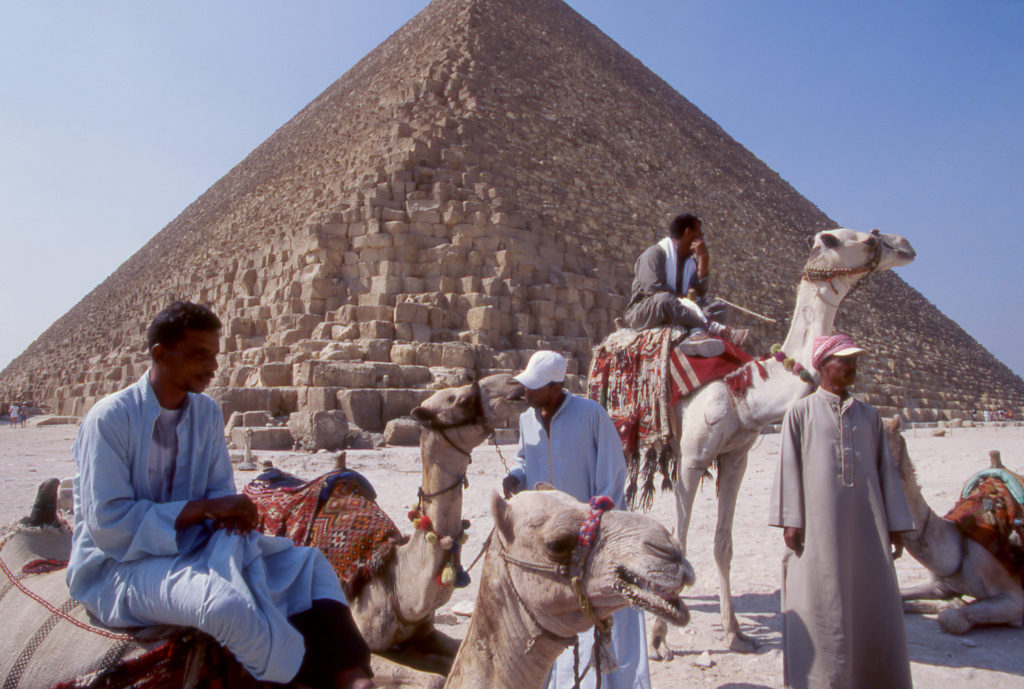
(50, 641)
(990, 512)
(336, 513)
(638, 381)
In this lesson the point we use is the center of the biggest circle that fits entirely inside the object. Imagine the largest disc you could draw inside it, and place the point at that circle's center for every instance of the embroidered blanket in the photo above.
(50, 640)
(336, 513)
(989, 512)
(638, 379)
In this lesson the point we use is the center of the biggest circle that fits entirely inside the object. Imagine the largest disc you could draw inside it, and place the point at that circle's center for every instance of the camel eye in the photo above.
(560, 548)
(830, 240)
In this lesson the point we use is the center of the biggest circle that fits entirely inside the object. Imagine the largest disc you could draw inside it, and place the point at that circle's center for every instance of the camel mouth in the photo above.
(647, 595)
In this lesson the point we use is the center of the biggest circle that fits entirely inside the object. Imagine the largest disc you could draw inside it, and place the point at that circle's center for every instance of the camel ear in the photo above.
(893, 424)
(502, 513)
(544, 485)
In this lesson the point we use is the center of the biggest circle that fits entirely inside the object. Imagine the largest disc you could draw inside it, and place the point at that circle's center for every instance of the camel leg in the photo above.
(685, 492)
(928, 597)
(1004, 609)
(731, 468)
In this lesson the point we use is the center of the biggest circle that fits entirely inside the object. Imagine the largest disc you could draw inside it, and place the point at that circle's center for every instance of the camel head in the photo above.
(843, 253)
(898, 450)
(468, 414)
(633, 561)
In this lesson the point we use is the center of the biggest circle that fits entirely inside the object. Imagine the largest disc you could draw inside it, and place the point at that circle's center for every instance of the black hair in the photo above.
(682, 223)
(169, 326)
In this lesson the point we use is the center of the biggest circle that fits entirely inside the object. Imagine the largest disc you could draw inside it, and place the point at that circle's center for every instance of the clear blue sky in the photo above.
(907, 116)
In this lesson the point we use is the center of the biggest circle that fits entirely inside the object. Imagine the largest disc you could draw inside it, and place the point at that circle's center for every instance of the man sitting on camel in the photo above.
(670, 288)
(162, 538)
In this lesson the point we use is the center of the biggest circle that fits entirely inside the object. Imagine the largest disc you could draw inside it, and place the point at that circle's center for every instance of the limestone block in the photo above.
(317, 399)
(398, 402)
(255, 418)
(488, 318)
(458, 355)
(374, 313)
(269, 438)
(238, 377)
(403, 432)
(318, 430)
(409, 376)
(377, 349)
(410, 312)
(318, 373)
(377, 330)
(384, 285)
(403, 353)
(345, 332)
(233, 422)
(341, 351)
(275, 375)
(277, 401)
(362, 408)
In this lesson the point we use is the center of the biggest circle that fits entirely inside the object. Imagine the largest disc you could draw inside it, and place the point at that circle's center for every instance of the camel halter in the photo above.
(477, 418)
(829, 274)
(574, 573)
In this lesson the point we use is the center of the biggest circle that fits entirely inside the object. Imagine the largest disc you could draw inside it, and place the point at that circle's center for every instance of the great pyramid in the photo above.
(475, 188)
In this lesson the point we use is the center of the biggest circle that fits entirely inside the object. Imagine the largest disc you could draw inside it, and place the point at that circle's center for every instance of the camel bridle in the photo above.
(573, 573)
(865, 271)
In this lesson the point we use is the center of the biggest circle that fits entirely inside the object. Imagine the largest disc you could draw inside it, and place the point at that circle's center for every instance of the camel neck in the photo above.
(444, 469)
(813, 315)
(503, 647)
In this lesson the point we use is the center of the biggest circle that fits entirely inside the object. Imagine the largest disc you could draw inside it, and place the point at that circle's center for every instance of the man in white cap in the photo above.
(841, 505)
(571, 443)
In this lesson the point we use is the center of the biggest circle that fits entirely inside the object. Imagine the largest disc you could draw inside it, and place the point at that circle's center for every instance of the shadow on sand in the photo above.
(989, 648)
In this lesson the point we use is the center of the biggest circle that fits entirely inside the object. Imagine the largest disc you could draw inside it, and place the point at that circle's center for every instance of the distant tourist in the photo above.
(841, 505)
(670, 288)
(12, 415)
(162, 538)
(22, 414)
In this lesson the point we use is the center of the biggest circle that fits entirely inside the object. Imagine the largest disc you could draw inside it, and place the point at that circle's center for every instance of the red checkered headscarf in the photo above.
(838, 344)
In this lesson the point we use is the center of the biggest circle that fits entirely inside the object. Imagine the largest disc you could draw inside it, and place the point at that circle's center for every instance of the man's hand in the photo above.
(700, 252)
(510, 486)
(237, 513)
(794, 538)
(896, 540)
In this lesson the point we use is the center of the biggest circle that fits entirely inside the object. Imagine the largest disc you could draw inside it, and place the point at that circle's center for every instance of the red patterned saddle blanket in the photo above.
(336, 513)
(990, 511)
(638, 379)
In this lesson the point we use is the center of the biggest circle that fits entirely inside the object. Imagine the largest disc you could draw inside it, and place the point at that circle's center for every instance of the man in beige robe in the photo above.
(840, 502)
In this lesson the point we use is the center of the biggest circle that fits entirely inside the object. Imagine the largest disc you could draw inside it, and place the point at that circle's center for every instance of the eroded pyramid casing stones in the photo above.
(477, 187)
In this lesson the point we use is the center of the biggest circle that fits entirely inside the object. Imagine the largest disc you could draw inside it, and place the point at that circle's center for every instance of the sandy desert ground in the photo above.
(984, 659)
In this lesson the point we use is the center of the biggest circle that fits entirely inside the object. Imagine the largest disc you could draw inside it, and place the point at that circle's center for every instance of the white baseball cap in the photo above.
(544, 367)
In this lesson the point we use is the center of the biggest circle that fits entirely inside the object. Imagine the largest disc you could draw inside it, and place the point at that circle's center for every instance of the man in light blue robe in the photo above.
(571, 443)
(162, 538)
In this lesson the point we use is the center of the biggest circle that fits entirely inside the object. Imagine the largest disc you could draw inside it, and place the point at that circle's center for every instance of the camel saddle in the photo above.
(336, 513)
(51, 641)
(991, 512)
(638, 376)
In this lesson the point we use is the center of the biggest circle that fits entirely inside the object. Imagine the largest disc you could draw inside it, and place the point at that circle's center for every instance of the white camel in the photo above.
(959, 566)
(715, 426)
(528, 609)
